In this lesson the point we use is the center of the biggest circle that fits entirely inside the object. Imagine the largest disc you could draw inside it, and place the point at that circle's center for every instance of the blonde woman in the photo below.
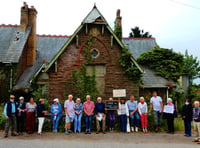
(143, 109)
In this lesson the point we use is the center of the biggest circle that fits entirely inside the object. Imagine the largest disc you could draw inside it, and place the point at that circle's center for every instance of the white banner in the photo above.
(119, 93)
(168, 109)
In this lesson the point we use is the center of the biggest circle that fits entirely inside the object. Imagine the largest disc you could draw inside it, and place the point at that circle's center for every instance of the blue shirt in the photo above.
(79, 107)
(13, 109)
(132, 105)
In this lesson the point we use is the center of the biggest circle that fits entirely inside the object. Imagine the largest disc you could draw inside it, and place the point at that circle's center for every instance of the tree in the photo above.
(191, 66)
(137, 33)
(165, 62)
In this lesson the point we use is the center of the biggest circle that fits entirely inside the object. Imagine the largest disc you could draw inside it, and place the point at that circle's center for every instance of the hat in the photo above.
(21, 98)
(56, 100)
(78, 99)
(41, 99)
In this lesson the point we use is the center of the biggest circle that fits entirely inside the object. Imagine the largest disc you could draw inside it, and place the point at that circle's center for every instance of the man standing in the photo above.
(100, 115)
(69, 106)
(156, 103)
(88, 107)
(10, 111)
(133, 113)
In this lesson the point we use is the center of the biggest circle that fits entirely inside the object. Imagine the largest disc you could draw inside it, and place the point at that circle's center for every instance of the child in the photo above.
(142, 109)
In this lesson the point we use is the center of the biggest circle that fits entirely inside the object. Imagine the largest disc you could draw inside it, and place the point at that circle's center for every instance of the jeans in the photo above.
(123, 120)
(55, 121)
(157, 116)
(188, 128)
(133, 117)
(111, 117)
(40, 124)
(88, 122)
(12, 121)
(77, 122)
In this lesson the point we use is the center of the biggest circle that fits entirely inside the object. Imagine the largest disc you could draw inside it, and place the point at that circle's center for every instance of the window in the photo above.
(94, 53)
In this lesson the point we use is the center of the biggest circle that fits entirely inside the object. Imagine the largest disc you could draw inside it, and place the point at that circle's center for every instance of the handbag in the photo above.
(128, 126)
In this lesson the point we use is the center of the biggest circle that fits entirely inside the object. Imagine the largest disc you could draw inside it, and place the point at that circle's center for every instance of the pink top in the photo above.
(88, 106)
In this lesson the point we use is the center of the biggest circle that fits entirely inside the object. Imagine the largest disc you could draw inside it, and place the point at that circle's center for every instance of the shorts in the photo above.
(68, 119)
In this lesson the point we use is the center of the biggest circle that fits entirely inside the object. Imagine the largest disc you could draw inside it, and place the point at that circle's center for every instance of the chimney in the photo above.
(31, 43)
(118, 25)
(24, 17)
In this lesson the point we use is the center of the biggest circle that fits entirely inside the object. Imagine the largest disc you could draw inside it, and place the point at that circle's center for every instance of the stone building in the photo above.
(28, 59)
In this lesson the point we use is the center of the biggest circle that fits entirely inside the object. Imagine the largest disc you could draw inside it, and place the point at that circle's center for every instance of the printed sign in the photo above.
(168, 109)
(112, 105)
(119, 93)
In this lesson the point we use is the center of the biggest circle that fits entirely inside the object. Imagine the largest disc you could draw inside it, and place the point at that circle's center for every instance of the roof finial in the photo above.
(95, 5)
(118, 12)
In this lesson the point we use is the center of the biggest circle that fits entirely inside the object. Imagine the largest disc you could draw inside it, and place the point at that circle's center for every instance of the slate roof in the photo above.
(12, 42)
(47, 47)
(137, 46)
(151, 80)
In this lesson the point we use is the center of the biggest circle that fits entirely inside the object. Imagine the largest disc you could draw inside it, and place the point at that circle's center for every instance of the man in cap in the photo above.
(10, 110)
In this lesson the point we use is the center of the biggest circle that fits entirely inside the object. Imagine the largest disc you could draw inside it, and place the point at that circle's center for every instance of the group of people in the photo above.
(131, 110)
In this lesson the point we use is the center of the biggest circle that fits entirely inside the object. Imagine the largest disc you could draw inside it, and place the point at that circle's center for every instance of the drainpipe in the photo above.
(167, 92)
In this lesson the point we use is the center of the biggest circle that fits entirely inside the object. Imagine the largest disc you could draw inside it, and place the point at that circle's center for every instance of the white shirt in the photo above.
(156, 103)
(142, 108)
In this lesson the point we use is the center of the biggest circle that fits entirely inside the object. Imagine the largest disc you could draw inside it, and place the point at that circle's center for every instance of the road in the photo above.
(116, 140)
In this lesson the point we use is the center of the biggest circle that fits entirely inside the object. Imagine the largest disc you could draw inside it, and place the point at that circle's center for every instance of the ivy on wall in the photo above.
(129, 67)
(81, 84)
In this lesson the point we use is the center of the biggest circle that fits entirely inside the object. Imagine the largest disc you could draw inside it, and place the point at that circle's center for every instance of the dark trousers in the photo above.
(88, 122)
(20, 124)
(123, 120)
(111, 117)
(188, 128)
(12, 121)
(170, 123)
(134, 117)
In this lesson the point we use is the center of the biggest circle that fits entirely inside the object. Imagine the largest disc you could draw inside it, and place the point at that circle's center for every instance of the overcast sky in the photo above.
(174, 23)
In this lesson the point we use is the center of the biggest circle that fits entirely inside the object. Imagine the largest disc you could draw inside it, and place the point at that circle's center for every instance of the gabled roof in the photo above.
(12, 42)
(47, 47)
(93, 16)
(137, 46)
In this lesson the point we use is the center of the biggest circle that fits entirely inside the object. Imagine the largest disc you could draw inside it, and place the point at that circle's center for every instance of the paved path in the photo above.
(114, 140)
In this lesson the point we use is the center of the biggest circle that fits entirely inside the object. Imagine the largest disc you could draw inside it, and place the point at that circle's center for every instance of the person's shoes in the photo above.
(104, 132)
(187, 135)
(132, 129)
(97, 132)
(86, 132)
(75, 132)
(69, 131)
(195, 140)
(156, 130)
(89, 132)
(13, 134)
(5, 136)
(136, 129)
(66, 132)
(198, 142)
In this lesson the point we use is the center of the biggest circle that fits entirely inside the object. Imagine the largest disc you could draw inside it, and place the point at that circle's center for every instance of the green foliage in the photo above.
(130, 69)
(193, 91)
(165, 62)
(137, 33)
(191, 65)
(118, 32)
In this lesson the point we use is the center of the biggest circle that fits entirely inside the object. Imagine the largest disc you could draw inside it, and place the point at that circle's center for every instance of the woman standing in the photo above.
(30, 118)
(124, 114)
(169, 111)
(187, 117)
(142, 109)
(78, 115)
(111, 118)
(41, 111)
(56, 114)
(21, 115)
